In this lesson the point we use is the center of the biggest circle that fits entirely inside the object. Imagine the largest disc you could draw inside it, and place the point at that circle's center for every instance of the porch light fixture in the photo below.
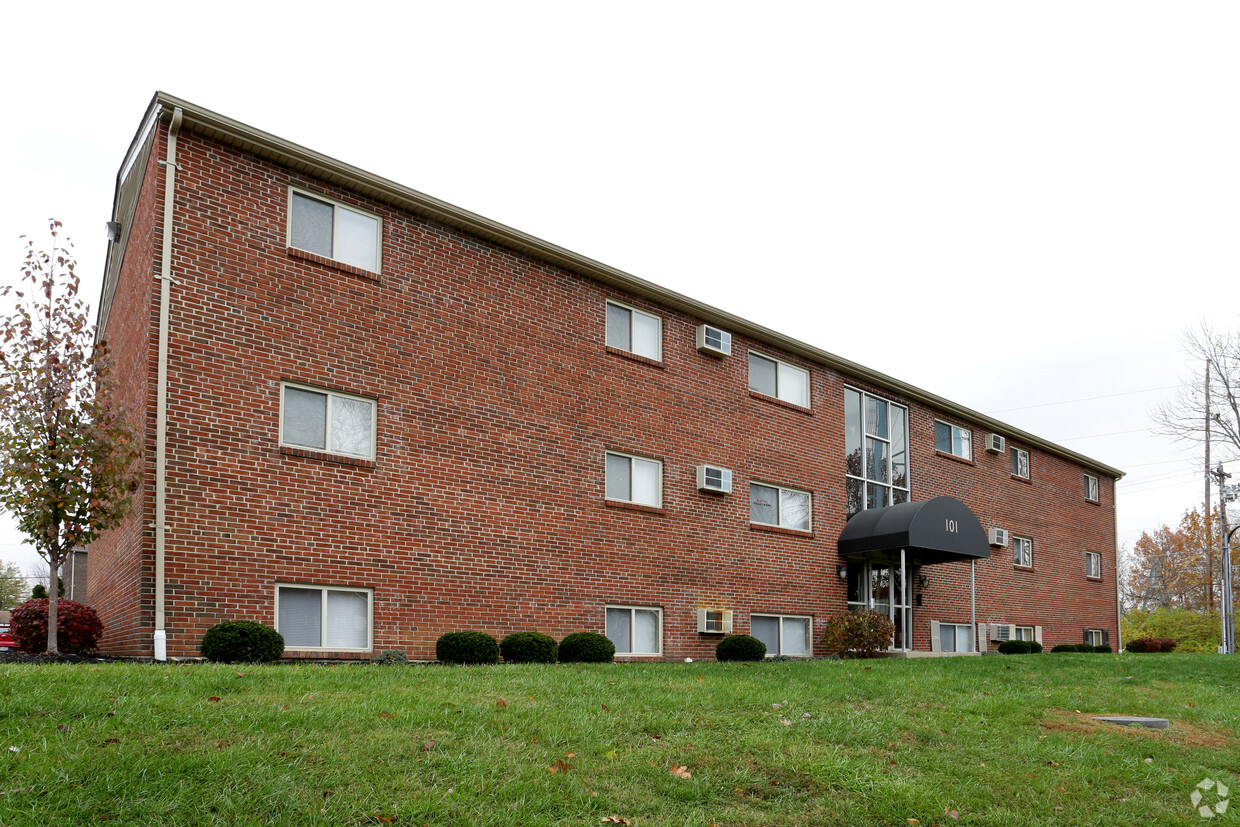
(842, 572)
(923, 580)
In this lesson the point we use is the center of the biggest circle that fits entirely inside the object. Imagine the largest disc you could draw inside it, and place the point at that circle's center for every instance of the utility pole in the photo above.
(1205, 511)
(1228, 646)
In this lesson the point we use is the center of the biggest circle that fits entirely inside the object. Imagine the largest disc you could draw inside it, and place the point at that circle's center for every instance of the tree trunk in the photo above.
(53, 605)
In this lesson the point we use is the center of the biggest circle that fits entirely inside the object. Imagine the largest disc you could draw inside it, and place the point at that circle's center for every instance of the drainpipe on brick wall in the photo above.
(1119, 603)
(161, 385)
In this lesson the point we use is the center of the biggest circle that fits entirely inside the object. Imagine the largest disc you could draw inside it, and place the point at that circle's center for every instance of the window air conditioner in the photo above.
(714, 621)
(713, 341)
(999, 537)
(1002, 631)
(995, 443)
(713, 478)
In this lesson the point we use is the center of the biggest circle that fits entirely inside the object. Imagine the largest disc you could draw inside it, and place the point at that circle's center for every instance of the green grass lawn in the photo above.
(994, 740)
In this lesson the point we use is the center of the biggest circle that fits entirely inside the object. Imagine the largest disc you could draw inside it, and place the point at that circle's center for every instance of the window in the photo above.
(633, 479)
(327, 421)
(955, 637)
(1091, 488)
(320, 617)
(1022, 551)
(332, 230)
(1093, 564)
(952, 439)
(790, 635)
(635, 630)
(1094, 637)
(778, 379)
(875, 451)
(778, 506)
(635, 331)
(1020, 463)
(1025, 633)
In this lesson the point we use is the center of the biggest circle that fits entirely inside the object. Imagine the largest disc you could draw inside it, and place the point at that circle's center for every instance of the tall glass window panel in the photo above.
(877, 464)
(763, 504)
(876, 451)
(899, 446)
(853, 462)
(305, 418)
(766, 629)
(312, 225)
(300, 619)
(347, 616)
(619, 629)
(876, 417)
(357, 239)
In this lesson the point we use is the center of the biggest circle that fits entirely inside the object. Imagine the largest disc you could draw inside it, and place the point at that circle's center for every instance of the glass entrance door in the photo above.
(878, 586)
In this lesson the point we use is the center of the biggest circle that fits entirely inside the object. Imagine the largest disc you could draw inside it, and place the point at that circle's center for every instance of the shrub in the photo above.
(241, 641)
(740, 647)
(1167, 645)
(1151, 644)
(587, 647)
(860, 634)
(1063, 647)
(1103, 648)
(1035, 647)
(390, 657)
(466, 647)
(78, 628)
(529, 647)
(1015, 647)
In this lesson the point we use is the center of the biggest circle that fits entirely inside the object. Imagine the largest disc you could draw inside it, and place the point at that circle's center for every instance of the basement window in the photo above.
(321, 617)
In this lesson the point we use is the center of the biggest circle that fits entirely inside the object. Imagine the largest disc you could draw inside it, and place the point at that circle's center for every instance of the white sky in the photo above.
(1020, 207)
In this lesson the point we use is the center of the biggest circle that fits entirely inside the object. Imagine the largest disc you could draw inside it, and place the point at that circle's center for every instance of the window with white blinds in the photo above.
(319, 617)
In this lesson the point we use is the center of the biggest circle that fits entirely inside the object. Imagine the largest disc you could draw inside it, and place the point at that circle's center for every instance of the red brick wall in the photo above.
(497, 399)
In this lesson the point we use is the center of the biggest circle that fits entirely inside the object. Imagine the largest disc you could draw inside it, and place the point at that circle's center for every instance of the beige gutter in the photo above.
(278, 150)
(161, 385)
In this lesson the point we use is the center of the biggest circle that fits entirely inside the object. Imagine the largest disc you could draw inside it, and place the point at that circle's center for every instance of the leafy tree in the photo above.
(12, 585)
(67, 452)
(39, 592)
(1169, 568)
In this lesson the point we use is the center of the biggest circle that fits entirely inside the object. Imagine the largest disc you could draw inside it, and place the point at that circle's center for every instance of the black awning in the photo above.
(939, 530)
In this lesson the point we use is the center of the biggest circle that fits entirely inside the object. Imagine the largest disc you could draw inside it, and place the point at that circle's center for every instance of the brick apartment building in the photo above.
(372, 417)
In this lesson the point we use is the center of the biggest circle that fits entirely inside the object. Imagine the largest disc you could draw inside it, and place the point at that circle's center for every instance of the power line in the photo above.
(1085, 399)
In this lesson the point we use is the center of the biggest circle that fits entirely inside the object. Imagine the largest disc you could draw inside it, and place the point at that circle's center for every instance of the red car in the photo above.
(7, 644)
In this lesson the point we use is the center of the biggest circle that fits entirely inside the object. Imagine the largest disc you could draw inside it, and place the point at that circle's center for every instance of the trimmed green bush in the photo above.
(466, 647)
(529, 647)
(1103, 648)
(78, 628)
(587, 647)
(241, 641)
(390, 657)
(740, 648)
(1035, 647)
(1063, 647)
(860, 634)
(1015, 647)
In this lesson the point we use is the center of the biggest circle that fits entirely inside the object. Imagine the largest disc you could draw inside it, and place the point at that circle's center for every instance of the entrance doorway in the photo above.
(879, 587)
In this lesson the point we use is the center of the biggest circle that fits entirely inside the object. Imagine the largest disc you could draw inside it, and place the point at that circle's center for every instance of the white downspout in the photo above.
(161, 385)
(973, 601)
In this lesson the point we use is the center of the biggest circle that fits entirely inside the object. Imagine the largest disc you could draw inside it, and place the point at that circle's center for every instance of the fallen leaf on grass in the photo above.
(614, 820)
(385, 714)
(213, 698)
(501, 703)
(914, 822)
(680, 772)
(806, 716)
(1052, 763)
(606, 708)
(112, 741)
(953, 814)
(429, 745)
(559, 765)
(785, 722)
(242, 674)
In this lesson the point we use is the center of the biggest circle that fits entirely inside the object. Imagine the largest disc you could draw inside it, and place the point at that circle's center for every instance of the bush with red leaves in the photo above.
(1151, 644)
(78, 628)
(861, 634)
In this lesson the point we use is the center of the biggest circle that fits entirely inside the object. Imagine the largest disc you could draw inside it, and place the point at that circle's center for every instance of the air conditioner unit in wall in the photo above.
(995, 444)
(713, 341)
(714, 621)
(714, 478)
(999, 537)
(1002, 631)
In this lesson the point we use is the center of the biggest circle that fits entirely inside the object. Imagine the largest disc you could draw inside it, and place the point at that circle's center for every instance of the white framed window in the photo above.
(1091, 488)
(634, 479)
(781, 380)
(952, 439)
(1024, 633)
(789, 635)
(876, 461)
(636, 630)
(1020, 463)
(1022, 552)
(1093, 564)
(334, 230)
(778, 506)
(634, 330)
(1094, 637)
(336, 423)
(952, 637)
(324, 617)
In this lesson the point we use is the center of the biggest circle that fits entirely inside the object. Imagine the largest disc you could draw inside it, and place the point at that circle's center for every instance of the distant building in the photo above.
(387, 418)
